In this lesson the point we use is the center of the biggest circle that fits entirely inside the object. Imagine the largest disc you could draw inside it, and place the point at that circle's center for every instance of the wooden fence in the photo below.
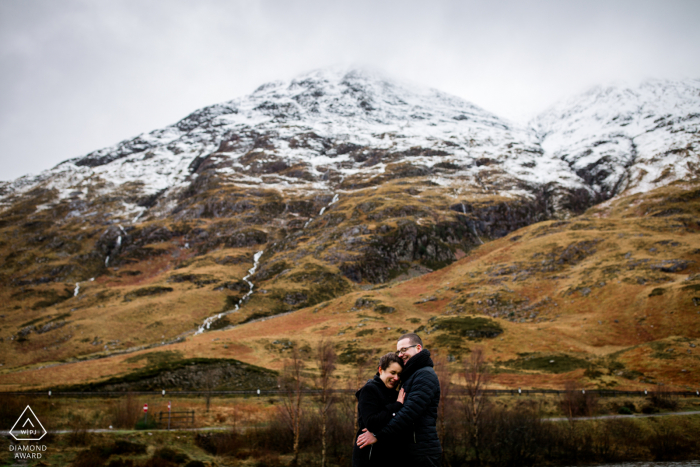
(456, 390)
(168, 420)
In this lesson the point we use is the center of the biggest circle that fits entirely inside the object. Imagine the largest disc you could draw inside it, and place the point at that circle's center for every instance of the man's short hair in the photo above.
(413, 338)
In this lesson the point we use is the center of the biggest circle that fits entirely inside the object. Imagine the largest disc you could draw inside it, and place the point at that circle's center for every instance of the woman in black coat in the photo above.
(378, 401)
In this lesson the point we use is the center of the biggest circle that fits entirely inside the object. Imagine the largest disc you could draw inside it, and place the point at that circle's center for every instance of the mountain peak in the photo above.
(345, 128)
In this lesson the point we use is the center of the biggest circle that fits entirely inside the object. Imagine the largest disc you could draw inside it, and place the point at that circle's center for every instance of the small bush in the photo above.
(577, 403)
(146, 292)
(557, 363)
(93, 457)
(122, 446)
(220, 444)
(474, 328)
(662, 399)
(142, 424)
(125, 412)
(79, 434)
(10, 409)
(624, 410)
(668, 441)
(171, 455)
(121, 463)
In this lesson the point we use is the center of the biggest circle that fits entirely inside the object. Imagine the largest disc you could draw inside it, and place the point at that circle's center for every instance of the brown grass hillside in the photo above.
(610, 298)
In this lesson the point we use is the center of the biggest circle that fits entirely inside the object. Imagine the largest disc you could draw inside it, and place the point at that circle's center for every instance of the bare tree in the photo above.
(444, 375)
(325, 358)
(475, 401)
(360, 370)
(209, 381)
(292, 383)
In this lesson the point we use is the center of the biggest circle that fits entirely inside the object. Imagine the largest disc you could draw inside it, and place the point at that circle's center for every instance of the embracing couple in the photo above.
(398, 427)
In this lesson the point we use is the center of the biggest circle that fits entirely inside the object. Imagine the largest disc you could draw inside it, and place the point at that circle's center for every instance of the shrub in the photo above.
(220, 444)
(93, 457)
(10, 409)
(577, 403)
(78, 434)
(122, 446)
(121, 463)
(662, 399)
(125, 412)
(668, 441)
(171, 455)
(144, 424)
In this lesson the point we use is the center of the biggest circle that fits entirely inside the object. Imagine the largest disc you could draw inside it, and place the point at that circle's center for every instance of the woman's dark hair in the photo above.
(388, 359)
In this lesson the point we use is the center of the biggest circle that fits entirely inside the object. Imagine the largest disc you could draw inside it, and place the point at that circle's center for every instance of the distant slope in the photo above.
(330, 191)
(610, 299)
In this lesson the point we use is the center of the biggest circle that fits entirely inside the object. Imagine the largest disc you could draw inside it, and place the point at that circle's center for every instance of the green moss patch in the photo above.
(352, 355)
(448, 341)
(560, 363)
(146, 292)
(197, 279)
(469, 327)
(51, 298)
(191, 373)
(156, 358)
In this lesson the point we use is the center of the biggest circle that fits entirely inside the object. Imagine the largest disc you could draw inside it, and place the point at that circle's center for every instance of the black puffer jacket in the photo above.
(418, 416)
(376, 406)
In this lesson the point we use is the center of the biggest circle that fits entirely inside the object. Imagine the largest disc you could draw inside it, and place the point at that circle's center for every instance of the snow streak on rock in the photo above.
(618, 138)
(208, 322)
(338, 130)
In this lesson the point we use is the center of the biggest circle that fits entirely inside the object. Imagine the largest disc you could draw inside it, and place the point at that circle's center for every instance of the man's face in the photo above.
(409, 352)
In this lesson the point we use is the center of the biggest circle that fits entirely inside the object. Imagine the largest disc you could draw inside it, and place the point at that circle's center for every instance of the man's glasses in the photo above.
(404, 349)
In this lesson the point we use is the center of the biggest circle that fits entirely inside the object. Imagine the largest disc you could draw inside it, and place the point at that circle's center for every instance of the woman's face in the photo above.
(390, 376)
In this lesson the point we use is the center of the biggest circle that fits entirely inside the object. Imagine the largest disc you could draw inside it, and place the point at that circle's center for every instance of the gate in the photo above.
(173, 420)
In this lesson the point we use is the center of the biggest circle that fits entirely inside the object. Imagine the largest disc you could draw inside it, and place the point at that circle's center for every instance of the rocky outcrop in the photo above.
(190, 374)
(389, 255)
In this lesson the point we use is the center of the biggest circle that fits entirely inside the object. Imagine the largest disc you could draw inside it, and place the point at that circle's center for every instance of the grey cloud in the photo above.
(80, 75)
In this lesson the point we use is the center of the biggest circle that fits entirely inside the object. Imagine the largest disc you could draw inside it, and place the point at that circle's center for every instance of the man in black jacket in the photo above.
(416, 421)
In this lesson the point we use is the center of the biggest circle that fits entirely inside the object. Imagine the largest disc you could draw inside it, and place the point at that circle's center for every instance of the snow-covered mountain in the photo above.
(622, 138)
(323, 192)
(332, 131)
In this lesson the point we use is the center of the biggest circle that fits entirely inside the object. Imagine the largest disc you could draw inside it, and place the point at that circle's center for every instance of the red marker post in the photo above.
(145, 410)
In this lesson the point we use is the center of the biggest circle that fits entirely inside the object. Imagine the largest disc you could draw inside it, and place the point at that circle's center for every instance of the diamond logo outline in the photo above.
(21, 417)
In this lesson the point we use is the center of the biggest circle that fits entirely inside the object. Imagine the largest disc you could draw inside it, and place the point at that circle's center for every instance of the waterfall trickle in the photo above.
(208, 322)
(323, 209)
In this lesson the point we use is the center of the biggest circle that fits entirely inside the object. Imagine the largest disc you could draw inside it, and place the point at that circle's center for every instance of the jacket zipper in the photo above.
(370, 452)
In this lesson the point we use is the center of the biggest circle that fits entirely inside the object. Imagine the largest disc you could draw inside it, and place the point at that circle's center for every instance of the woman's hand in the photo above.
(365, 439)
(402, 396)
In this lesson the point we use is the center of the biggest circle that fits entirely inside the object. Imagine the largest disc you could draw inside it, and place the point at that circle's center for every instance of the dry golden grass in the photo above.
(576, 315)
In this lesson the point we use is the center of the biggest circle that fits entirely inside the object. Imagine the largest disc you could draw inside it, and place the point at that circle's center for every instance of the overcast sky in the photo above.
(81, 75)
